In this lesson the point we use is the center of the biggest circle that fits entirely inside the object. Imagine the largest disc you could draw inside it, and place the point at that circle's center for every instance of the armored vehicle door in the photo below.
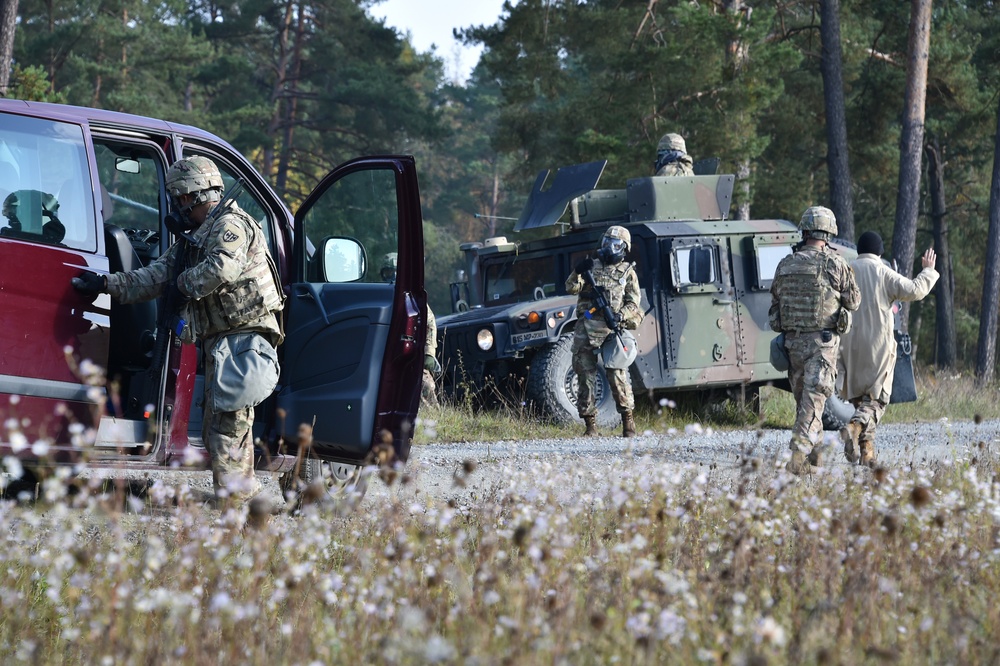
(702, 341)
(354, 343)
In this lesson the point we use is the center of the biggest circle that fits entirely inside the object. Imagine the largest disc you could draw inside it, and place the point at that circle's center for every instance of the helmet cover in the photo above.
(819, 218)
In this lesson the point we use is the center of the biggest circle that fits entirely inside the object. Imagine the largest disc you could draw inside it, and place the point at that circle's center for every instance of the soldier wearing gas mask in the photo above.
(811, 290)
(620, 286)
(227, 294)
(672, 158)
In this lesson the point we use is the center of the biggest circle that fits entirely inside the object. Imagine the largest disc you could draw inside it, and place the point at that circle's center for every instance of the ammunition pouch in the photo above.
(243, 304)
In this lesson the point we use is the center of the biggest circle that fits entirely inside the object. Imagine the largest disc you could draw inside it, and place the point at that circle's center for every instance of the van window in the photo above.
(45, 184)
(361, 205)
(695, 266)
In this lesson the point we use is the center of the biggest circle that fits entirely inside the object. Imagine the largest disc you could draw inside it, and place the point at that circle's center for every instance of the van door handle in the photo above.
(722, 301)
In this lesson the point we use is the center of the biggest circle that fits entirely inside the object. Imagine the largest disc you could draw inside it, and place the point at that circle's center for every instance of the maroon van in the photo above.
(84, 189)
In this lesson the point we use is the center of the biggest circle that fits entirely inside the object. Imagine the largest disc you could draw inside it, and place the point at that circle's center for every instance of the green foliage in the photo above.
(301, 88)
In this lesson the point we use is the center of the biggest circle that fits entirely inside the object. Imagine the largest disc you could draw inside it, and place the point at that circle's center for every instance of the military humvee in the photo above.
(705, 282)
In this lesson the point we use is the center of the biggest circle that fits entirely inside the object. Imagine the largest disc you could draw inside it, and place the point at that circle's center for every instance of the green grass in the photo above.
(953, 397)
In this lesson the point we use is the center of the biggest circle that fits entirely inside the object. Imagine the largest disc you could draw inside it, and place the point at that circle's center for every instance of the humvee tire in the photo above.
(342, 480)
(552, 386)
(836, 413)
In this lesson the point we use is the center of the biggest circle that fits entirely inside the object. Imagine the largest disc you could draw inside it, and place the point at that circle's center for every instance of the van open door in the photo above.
(353, 351)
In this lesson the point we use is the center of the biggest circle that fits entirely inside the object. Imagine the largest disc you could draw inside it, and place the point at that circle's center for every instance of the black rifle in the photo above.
(169, 320)
(603, 307)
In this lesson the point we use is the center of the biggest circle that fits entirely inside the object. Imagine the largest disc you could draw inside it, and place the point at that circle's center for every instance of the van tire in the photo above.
(552, 386)
(342, 481)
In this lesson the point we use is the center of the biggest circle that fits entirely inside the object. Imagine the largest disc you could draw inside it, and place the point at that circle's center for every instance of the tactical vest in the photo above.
(247, 303)
(612, 278)
(806, 299)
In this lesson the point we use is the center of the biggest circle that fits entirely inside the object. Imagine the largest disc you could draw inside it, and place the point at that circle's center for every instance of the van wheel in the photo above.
(836, 413)
(552, 386)
(342, 481)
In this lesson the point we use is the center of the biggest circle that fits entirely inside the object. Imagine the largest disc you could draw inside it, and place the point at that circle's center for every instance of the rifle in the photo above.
(168, 319)
(603, 307)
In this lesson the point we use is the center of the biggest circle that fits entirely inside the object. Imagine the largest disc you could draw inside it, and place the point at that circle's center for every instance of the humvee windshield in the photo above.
(517, 279)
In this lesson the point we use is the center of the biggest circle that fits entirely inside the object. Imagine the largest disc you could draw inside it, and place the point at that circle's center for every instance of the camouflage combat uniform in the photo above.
(232, 288)
(683, 166)
(428, 390)
(622, 291)
(810, 288)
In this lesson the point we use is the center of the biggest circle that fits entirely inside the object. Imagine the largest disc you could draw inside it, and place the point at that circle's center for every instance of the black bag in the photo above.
(904, 386)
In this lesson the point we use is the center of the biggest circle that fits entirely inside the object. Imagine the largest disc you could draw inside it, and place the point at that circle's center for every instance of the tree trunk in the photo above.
(904, 235)
(986, 358)
(837, 167)
(946, 350)
(8, 23)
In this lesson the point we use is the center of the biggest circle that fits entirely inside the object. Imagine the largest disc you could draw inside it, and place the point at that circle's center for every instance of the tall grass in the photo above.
(639, 561)
(663, 564)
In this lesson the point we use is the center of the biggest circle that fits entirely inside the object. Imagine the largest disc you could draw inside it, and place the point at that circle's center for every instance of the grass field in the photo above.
(666, 566)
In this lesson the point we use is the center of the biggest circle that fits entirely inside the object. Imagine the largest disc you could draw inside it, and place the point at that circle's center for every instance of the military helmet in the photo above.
(389, 264)
(196, 175)
(819, 218)
(671, 141)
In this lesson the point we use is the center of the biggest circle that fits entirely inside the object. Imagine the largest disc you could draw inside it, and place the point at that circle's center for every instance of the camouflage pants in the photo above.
(228, 437)
(428, 389)
(585, 366)
(868, 412)
(812, 372)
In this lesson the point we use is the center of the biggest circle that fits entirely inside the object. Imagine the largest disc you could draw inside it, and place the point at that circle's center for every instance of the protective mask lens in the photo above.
(614, 246)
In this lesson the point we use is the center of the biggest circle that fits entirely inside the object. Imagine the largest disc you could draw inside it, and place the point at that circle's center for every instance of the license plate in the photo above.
(520, 338)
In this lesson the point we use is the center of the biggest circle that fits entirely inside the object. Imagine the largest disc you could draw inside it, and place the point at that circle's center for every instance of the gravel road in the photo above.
(434, 467)
(437, 471)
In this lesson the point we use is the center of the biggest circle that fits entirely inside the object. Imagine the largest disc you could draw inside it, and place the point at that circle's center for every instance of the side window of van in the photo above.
(45, 186)
(130, 190)
(247, 201)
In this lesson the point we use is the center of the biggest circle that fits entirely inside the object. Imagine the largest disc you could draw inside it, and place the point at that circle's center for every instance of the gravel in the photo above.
(436, 471)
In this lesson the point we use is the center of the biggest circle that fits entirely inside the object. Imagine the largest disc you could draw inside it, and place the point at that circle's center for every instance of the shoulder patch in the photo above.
(231, 234)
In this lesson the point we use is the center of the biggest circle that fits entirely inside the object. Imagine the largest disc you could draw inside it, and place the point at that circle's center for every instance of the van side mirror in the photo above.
(343, 259)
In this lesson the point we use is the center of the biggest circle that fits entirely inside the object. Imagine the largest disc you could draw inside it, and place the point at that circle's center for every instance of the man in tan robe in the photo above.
(868, 352)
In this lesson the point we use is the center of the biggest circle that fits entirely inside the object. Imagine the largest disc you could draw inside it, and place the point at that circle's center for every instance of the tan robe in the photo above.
(868, 352)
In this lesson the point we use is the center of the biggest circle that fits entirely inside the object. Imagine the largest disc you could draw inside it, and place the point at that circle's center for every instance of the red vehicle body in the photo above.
(352, 357)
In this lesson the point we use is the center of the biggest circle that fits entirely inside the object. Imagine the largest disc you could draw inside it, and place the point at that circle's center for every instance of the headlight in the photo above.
(484, 339)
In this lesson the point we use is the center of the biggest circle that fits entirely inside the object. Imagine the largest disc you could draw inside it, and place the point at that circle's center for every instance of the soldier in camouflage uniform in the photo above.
(811, 288)
(672, 158)
(428, 388)
(228, 286)
(621, 288)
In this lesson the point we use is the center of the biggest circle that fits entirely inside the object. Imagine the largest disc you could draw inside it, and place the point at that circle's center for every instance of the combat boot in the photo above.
(799, 464)
(628, 424)
(849, 436)
(591, 423)
(868, 452)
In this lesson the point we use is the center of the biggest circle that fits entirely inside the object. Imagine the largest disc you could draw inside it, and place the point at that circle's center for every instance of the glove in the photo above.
(176, 296)
(583, 265)
(431, 364)
(616, 320)
(90, 283)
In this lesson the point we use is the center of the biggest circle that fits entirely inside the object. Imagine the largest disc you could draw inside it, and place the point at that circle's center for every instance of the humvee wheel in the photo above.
(342, 481)
(836, 413)
(553, 385)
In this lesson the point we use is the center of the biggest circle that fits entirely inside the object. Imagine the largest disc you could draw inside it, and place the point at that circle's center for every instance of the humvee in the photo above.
(705, 283)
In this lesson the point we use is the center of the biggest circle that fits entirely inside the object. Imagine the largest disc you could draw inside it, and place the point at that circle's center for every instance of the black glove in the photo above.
(90, 283)
(175, 296)
(616, 320)
(584, 265)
